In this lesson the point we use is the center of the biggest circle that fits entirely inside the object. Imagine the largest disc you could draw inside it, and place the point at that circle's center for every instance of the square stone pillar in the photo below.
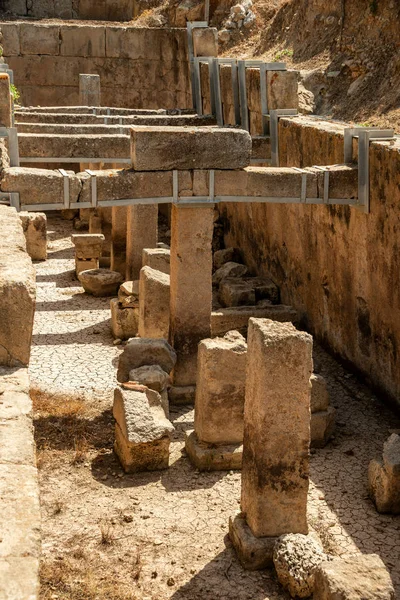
(191, 286)
(275, 470)
(89, 90)
(119, 219)
(142, 232)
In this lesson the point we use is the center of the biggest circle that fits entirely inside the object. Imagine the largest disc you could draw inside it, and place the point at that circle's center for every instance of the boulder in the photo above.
(296, 556)
(229, 269)
(153, 376)
(226, 255)
(100, 282)
(143, 351)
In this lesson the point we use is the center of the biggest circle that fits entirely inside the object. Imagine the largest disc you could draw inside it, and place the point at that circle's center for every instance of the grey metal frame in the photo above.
(12, 134)
(189, 27)
(272, 120)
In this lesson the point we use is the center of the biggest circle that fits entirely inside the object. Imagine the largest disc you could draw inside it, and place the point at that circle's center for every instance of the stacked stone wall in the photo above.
(104, 10)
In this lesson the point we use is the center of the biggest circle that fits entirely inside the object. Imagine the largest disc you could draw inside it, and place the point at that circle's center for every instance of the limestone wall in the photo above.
(339, 267)
(103, 10)
(138, 67)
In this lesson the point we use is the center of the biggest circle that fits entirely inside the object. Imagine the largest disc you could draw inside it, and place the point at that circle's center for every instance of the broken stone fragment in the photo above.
(153, 376)
(229, 269)
(35, 231)
(296, 557)
(141, 430)
(247, 291)
(124, 320)
(319, 393)
(143, 351)
(157, 258)
(128, 295)
(100, 282)
(226, 255)
(322, 426)
(361, 577)
(384, 477)
(88, 245)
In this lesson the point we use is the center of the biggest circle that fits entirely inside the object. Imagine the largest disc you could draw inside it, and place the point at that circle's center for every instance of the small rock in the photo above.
(224, 36)
(128, 518)
(170, 581)
(229, 269)
(117, 342)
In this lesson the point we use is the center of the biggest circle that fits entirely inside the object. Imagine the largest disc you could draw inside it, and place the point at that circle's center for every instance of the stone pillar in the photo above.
(275, 471)
(191, 286)
(89, 90)
(118, 238)
(5, 101)
(142, 232)
(154, 292)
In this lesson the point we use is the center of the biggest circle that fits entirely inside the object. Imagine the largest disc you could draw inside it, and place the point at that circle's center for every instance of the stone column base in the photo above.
(254, 553)
(212, 457)
(181, 395)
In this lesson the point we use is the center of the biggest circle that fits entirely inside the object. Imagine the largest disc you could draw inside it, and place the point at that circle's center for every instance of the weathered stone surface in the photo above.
(205, 41)
(247, 291)
(19, 578)
(124, 320)
(39, 39)
(229, 269)
(322, 426)
(153, 376)
(17, 445)
(319, 393)
(275, 467)
(226, 255)
(43, 145)
(119, 219)
(220, 390)
(182, 395)
(296, 558)
(128, 294)
(167, 148)
(86, 265)
(227, 319)
(5, 101)
(157, 258)
(362, 577)
(384, 477)
(191, 286)
(89, 90)
(35, 231)
(39, 186)
(254, 553)
(154, 302)
(142, 430)
(88, 245)
(17, 291)
(101, 282)
(209, 457)
(141, 351)
(142, 232)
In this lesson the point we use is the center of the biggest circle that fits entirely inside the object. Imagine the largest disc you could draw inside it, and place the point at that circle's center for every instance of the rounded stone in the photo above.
(296, 557)
(100, 282)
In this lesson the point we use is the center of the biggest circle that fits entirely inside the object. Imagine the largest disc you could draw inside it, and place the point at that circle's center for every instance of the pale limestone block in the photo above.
(140, 351)
(154, 302)
(101, 282)
(384, 477)
(124, 321)
(142, 232)
(35, 231)
(157, 258)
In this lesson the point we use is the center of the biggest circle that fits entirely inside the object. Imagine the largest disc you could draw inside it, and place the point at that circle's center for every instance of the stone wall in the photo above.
(339, 267)
(102, 10)
(138, 67)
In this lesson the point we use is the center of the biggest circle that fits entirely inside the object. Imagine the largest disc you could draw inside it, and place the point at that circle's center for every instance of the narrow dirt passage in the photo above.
(107, 535)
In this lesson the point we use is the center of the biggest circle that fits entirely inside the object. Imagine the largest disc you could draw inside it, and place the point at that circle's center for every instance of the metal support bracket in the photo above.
(12, 134)
(189, 28)
(365, 135)
(193, 201)
(66, 188)
(273, 119)
(303, 192)
(93, 182)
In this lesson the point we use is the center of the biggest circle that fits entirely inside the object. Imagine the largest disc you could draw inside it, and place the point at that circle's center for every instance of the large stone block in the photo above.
(17, 291)
(140, 351)
(227, 319)
(205, 41)
(88, 245)
(142, 430)
(89, 90)
(319, 393)
(124, 320)
(322, 426)
(10, 41)
(142, 232)
(39, 186)
(384, 477)
(220, 390)
(78, 40)
(101, 282)
(39, 39)
(247, 291)
(362, 577)
(167, 148)
(154, 302)
(157, 258)
(35, 231)
(275, 470)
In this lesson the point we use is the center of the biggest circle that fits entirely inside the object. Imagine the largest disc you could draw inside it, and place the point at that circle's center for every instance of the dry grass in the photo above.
(81, 450)
(56, 405)
(107, 534)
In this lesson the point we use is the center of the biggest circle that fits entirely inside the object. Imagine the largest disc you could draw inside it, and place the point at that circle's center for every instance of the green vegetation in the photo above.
(282, 53)
(15, 93)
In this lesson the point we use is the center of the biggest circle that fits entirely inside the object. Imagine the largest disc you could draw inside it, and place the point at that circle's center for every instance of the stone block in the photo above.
(157, 258)
(88, 245)
(227, 319)
(226, 255)
(359, 577)
(182, 395)
(384, 477)
(152, 376)
(261, 148)
(5, 101)
(39, 39)
(141, 431)
(17, 291)
(10, 41)
(124, 321)
(78, 40)
(247, 291)
(101, 282)
(275, 471)
(322, 426)
(154, 302)
(17, 445)
(140, 351)
(142, 232)
(19, 578)
(86, 264)
(35, 231)
(128, 294)
(205, 41)
(254, 553)
(39, 186)
(167, 148)
(282, 89)
(220, 389)
(319, 393)
(210, 457)
(229, 270)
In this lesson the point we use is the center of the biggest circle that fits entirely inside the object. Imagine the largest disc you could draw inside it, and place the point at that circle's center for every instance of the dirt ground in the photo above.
(163, 535)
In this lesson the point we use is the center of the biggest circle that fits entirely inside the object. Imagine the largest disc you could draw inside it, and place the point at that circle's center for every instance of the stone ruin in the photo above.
(201, 326)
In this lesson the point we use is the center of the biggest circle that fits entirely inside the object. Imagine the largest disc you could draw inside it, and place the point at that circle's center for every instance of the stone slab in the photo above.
(227, 319)
(254, 553)
(212, 457)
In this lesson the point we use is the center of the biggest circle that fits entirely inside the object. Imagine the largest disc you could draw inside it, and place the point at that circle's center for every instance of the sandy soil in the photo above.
(163, 535)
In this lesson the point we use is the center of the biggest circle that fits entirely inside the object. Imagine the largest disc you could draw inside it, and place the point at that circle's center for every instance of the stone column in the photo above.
(89, 90)
(191, 287)
(275, 470)
(142, 232)
(118, 238)
(5, 101)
